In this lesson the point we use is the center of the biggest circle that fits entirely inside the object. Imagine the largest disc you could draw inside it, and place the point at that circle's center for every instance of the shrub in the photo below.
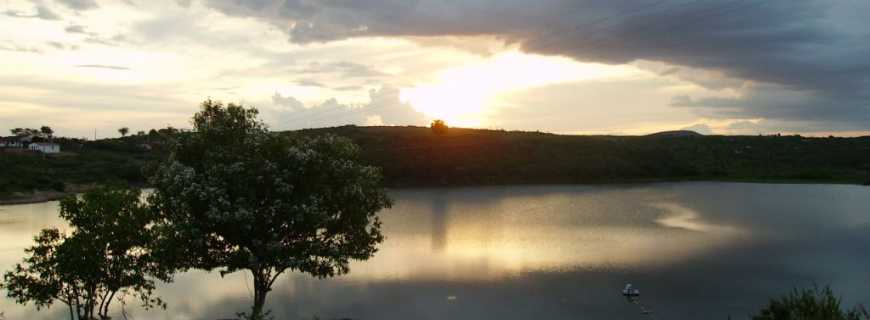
(439, 127)
(809, 304)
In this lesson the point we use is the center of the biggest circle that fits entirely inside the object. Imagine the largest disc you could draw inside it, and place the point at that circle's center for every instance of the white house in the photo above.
(45, 147)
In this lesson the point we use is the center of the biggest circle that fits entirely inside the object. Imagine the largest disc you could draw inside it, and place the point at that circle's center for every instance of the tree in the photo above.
(812, 303)
(26, 132)
(106, 254)
(46, 131)
(439, 127)
(233, 196)
(123, 131)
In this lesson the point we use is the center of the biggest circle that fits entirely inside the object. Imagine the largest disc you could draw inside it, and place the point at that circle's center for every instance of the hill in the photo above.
(676, 133)
(28, 176)
(414, 156)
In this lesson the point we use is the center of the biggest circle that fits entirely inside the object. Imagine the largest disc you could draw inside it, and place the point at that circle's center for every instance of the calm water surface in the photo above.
(696, 251)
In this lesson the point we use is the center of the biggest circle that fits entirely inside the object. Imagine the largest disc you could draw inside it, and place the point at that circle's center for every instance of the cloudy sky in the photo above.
(564, 66)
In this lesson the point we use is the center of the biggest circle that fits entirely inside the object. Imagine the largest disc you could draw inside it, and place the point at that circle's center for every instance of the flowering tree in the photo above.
(233, 196)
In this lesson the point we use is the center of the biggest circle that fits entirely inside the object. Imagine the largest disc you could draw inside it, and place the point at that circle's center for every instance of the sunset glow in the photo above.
(463, 95)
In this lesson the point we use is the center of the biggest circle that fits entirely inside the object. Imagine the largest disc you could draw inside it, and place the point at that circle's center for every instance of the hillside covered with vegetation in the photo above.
(79, 166)
(417, 156)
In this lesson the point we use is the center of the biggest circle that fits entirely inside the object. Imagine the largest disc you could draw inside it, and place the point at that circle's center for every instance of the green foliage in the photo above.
(809, 304)
(413, 156)
(105, 254)
(439, 127)
(46, 131)
(31, 132)
(233, 196)
(81, 163)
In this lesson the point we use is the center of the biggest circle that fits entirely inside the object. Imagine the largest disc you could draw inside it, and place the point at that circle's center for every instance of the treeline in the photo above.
(415, 156)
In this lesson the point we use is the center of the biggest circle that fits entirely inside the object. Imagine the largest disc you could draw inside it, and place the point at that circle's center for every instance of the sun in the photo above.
(450, 101)
(464, 95)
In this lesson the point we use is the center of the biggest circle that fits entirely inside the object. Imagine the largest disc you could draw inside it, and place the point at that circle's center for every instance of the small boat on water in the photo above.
(629, 292)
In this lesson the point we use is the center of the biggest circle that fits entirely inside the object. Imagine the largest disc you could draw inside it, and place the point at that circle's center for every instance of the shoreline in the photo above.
(35, 197)
(40, 196)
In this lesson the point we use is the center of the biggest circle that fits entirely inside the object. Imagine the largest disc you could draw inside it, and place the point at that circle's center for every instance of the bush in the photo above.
(439, 127)
(809, 304)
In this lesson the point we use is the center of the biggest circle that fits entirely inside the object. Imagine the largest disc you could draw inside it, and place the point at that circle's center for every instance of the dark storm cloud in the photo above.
(775, 102)
(811, 48)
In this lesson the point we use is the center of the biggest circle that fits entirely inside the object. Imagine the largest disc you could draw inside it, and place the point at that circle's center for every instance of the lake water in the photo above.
(695, 250)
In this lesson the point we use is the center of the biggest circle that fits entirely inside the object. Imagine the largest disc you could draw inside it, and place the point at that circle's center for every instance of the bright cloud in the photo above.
(84, 66)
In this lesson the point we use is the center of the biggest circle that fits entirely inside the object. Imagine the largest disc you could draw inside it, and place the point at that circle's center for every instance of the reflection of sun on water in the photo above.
(463, 96)
(683, 218)
(499, 241)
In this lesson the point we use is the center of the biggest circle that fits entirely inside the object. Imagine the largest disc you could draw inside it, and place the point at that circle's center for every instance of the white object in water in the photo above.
(630, 292)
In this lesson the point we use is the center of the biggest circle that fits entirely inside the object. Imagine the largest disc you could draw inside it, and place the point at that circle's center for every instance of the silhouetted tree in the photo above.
(26, 132)
(105, 254)
(812, 303)
(47, 131)
(123, 131)
(168, 131)
(233, 196)
(439, 127)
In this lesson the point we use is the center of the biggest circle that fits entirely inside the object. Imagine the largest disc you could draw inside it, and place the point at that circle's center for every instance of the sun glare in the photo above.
(464, 95)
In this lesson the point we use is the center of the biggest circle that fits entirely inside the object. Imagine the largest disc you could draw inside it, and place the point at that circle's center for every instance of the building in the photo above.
(11, 142)
(45, 147)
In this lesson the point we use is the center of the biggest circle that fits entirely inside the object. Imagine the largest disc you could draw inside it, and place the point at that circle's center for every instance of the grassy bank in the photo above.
(414, 156)
(32, 177)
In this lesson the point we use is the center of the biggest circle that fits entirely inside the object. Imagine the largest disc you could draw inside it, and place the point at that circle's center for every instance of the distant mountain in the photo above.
(676, 133)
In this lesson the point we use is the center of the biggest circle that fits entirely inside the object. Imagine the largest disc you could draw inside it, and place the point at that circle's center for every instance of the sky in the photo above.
(89, 67)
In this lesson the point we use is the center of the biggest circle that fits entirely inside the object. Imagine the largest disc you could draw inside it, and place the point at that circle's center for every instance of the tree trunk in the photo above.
(104, 307)
(262, 286)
